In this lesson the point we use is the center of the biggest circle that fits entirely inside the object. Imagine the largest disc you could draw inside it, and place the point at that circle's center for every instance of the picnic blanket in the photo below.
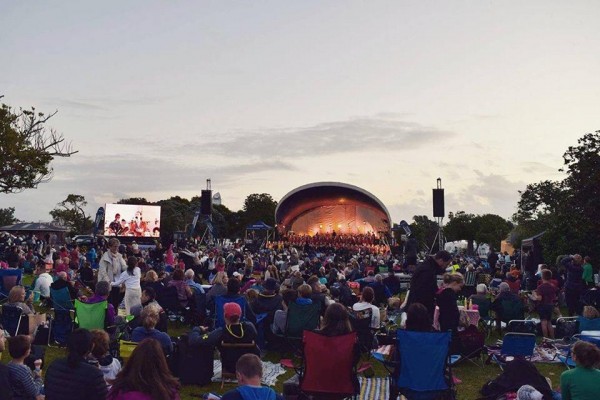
(541, 354)
(270, 372)
(374, 388)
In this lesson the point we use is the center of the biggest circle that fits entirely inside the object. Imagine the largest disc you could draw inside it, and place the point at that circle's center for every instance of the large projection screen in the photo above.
(132, 220)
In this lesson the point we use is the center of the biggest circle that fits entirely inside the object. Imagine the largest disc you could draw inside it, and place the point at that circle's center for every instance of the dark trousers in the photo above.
(115, 297)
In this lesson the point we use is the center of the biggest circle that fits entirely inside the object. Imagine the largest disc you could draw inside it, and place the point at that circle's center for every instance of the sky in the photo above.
(266, 96)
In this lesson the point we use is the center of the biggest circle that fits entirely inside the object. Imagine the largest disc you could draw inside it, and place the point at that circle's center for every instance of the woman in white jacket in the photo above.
(131, 278)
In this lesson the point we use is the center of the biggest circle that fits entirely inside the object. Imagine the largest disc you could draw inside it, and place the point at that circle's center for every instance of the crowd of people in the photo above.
(229, 295)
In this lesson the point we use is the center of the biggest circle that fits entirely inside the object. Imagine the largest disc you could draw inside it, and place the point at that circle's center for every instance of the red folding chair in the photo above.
(324, 354)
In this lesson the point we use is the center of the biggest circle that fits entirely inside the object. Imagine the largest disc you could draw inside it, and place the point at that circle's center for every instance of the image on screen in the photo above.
(132, 220)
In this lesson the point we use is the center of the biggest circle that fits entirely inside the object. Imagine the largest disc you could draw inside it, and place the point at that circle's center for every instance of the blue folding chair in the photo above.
(219, 313)
(424, 368)
(515, 344)
(9, 278)
(586, 324)
(61, 324)
(568, 358)
(11, 320)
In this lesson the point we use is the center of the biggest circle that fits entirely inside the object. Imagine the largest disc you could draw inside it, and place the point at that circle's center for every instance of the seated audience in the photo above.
(109, 365)
(149, 318)
(233, 294)
(100, 295)
(189, 280)
(145, 376)
(235, 331)
(184, 293)
(280, 317)
(16, 297)
(366, 301)
(392, 282)
(248, 370)
(581, 382)
(381, 292)
(498, 305)
(63, 282)
(25, 384)
(73, 378)
(219, 288)
(336, 321)
(268, 300)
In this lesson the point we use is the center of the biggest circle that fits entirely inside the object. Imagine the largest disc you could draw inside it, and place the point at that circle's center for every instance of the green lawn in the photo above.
(472, 376)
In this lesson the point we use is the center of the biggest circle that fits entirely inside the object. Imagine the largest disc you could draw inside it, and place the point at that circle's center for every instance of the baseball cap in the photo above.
(232, 309)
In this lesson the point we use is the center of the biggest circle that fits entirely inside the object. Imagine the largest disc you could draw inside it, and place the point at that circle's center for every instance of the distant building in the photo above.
(217, 199)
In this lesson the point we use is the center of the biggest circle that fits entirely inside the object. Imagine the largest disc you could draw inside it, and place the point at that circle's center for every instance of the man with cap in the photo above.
(234, 331)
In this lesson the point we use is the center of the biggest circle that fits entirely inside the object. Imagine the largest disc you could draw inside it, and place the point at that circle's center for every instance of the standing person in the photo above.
(588, 272)
(581, 382)
(145, 376)
(131, 278)
(111, 266)
(546, 293)
(574, 284)
(72, 378)
(446, 301)
(25, 384)
(423, 285)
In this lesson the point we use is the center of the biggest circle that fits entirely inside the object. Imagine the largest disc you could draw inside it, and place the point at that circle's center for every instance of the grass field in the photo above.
(472, 376)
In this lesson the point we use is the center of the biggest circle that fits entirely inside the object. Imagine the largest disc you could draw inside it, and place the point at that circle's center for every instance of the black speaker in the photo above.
(438, 203)
(206, 202)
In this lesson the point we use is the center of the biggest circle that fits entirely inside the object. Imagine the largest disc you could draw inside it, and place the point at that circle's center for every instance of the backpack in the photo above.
(516, 373)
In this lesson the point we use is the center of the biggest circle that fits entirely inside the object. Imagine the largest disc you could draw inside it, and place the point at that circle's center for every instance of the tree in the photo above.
(259, 207)
(491, 229)
(566, 210)
(7, 216)
(461, 227)
(136, 200)
(71, 214)
(423, 230)
(175, 215)
(28, 147)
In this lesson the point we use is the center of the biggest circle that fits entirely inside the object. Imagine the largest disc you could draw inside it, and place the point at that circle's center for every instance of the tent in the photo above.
(529, 243)
(257, 235)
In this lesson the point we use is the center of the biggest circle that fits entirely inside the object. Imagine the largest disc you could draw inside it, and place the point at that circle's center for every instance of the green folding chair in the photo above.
(90, 315)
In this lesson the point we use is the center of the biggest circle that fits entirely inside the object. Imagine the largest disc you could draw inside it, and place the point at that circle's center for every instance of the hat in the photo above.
(527, 392)
(270, 284)
(232, 309)
(237, 274)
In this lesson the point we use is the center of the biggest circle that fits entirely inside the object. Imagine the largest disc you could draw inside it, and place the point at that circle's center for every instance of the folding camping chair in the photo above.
(324, 354)
(90, 315)
(219, 314)
(168, 300)
(512, 310)
(11, 320)
(424, 368)
(230, 354)
(61, 324)
(485, 320)
(522, 326)
(566, 327)
(515, 344)
(361, 323)
(472, 346)
(9, 278)
(125, 350)
(585, 324)
(568, 358)
(300, 317)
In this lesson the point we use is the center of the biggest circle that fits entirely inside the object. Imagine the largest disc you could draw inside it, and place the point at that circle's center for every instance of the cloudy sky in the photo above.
(266, 96)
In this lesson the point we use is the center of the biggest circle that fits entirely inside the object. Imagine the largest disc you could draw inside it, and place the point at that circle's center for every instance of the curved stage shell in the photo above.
(325, 207)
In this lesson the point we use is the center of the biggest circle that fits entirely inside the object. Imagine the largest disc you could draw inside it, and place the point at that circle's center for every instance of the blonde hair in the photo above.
(453, 278)
(151, 276)
(14, 296)
(220, 278)
(150, 316)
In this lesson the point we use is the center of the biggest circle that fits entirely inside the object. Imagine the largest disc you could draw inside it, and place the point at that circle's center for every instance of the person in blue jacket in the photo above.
(249, 372)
